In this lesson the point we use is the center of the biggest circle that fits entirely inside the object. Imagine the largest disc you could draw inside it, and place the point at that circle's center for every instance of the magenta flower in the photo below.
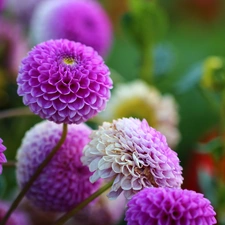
(80, 21)
(64, 81)
(134, 154)
(17, 218)
(2, 156)
(166, 206)
(65, 181)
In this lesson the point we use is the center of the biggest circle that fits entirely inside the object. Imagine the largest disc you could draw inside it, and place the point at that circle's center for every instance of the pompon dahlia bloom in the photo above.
(2, 156)
(166, 206)
(64, 81)
(64, 182)
(17, 218)
(134, 154)
(145, 102)
(80, 20)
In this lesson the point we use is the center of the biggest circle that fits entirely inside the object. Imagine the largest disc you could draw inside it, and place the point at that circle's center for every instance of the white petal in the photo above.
(114, 194)
(94, 177)
(102, 164)
(116, 167)
(94, 164)
(126, 183)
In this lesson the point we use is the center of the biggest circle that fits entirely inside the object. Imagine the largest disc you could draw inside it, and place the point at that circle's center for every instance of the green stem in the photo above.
(35, 176)
(146, 70)
(9, 164)
(71, 213)
(23, 111)
(222, 120)
(210, 99)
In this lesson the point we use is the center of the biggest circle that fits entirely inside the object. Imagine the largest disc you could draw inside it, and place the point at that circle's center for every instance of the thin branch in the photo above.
(9, 164)
(23, 111)
(73, 211)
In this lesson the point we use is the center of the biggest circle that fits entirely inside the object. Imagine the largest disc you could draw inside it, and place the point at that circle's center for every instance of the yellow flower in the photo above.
(137, 99)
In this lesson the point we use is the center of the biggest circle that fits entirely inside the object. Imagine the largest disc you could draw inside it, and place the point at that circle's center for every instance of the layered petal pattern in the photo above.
(133, 154)
(166, 206)
(64, 81)
(64, 182)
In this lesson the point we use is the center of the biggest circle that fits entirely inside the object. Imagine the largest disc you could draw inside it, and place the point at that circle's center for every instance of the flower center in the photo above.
(69, 61)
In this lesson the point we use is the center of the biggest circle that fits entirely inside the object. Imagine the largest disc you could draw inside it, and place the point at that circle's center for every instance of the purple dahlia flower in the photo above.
(77, 20)
(134, 154)
(17, 218)
(166, 206)
(2, 156)
(65, 181)
(64, 81)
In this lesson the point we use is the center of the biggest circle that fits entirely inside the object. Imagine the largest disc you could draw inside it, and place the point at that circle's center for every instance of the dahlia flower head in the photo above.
(134, 154)
(14, 46)
(64, 182)
(166, 206)
(64, 81)
(17, 218)
(145, 102)
(83, 21)
(2, 156)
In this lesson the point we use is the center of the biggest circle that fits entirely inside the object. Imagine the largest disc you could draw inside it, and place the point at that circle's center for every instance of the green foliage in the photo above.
(145, 23)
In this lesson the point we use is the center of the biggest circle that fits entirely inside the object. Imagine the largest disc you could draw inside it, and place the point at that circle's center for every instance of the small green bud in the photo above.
(214, 73)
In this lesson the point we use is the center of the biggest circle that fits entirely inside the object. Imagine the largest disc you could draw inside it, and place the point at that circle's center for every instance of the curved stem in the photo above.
(146, 70)
(23, 111)
(35, 176)
(9, 164)
(73, 211)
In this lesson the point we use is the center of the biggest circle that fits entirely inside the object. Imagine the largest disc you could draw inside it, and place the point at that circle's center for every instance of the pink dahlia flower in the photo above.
(17, 218)
(165, 206)
(2, 156)
(80, 21)
(65, 181)
(64, 81)
(134, 154)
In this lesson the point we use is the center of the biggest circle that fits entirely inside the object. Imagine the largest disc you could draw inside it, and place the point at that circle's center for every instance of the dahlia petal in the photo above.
(78, 104)
(94, 164)
(114, 194)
